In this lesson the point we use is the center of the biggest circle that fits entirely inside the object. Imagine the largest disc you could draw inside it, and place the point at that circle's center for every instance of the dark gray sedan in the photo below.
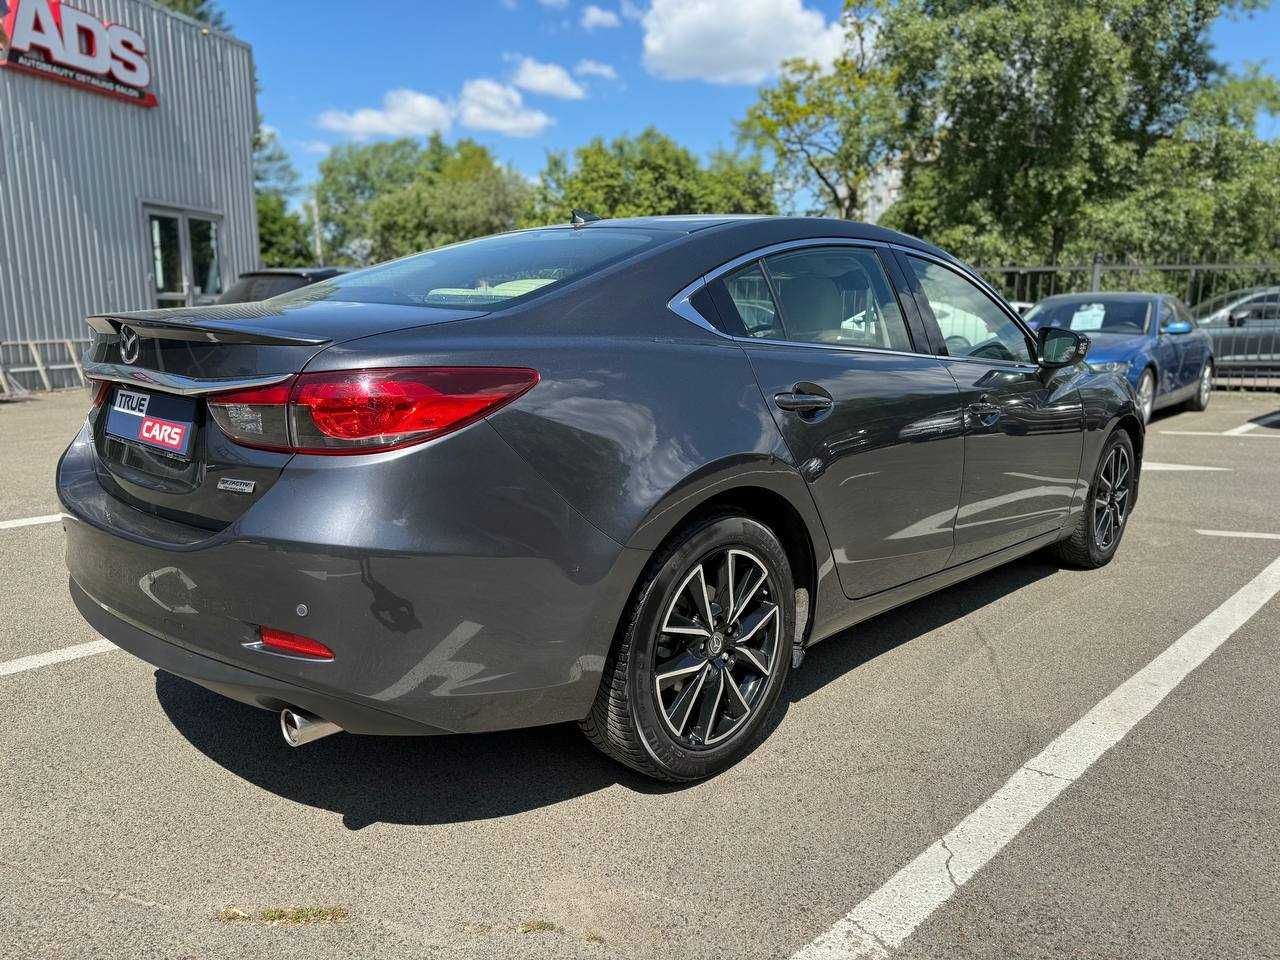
(585, 473)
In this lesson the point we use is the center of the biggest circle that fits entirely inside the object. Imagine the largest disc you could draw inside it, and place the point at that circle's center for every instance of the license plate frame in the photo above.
(155, 421)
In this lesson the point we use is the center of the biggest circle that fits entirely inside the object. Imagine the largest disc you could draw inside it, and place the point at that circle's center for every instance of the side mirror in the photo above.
(1239, 317)
(1062, 348)
(1177, 328)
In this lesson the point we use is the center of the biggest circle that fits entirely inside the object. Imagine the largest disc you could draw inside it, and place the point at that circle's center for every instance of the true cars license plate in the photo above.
(152, 419)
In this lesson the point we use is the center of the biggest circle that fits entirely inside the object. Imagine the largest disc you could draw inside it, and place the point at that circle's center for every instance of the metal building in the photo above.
(126, 171)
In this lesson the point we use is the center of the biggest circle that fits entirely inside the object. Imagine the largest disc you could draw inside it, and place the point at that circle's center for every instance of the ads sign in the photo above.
(53, 40)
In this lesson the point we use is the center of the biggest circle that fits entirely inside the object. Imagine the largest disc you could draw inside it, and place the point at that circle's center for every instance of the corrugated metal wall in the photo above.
(77, 168)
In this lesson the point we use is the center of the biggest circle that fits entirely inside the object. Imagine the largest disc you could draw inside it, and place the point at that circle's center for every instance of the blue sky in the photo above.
(528, 76)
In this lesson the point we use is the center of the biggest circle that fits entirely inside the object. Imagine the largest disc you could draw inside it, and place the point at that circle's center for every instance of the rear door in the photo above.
(871, 419)
(1023, 425)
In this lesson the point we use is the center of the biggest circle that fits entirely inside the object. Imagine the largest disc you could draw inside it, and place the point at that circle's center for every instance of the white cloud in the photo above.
(593, 17)
(554, 4)
(548, 79)
(317, 147)
(404, 113)
(594, 68)
(489, 105)
(631, 10)
(734, 41)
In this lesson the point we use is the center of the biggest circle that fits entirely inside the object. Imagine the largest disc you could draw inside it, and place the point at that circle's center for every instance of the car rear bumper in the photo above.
(458, 592)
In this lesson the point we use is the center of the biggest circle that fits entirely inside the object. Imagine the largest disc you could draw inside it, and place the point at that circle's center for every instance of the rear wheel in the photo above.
(1204, 392)
(1096, 536)
(1147, 395)
(704, 652)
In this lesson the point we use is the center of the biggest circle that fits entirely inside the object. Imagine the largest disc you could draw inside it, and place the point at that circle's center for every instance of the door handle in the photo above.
(985, 409)
(802, 402)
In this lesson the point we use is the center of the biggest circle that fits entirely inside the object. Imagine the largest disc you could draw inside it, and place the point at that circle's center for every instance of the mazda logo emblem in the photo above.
(130, 345)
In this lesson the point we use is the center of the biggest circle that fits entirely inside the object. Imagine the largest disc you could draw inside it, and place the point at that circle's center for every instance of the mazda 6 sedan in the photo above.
(623, 473)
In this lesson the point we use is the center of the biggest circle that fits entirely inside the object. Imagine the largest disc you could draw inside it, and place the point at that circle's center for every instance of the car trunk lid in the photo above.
(158, 448)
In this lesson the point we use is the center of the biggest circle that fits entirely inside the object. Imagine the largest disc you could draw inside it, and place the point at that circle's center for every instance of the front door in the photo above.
(871, 420)
(1023, 425)
(1169, 349)
(185, 262)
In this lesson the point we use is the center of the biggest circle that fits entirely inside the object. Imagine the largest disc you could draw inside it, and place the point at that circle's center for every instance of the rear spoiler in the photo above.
(202, 329)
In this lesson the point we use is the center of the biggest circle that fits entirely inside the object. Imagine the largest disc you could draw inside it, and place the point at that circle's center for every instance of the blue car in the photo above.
(1150, 338)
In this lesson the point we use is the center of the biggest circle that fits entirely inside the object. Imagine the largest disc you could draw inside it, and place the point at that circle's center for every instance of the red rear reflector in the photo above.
(284, 642)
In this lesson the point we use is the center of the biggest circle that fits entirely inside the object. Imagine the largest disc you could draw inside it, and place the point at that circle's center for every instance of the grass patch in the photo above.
(537, 926)
(284, 916)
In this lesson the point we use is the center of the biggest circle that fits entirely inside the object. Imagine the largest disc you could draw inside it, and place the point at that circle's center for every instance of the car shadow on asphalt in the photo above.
(456, 779)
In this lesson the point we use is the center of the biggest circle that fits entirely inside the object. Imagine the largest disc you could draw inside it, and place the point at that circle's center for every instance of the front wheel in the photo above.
(1204, 392)
(1147, 395)
(1096, 536)
(704, 651)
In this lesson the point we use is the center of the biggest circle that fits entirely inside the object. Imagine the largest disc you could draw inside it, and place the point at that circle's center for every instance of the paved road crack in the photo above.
(73, 884)
(950, 856)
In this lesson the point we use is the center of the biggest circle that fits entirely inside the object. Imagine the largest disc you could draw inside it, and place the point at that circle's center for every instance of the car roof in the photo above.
(1121, 295)
(813, 226)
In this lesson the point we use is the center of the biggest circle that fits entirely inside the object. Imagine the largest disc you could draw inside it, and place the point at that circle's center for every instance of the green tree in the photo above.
(352, 177)
(460, 192)
(282, 235)
(647, 175)
(1022, 119)
(831, 131)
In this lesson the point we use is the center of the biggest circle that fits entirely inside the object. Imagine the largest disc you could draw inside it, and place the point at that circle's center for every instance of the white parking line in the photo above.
(1241, 534)
(884, 920)
(29, 521)
(38, 660)
(1253, 425)
(1221, 433)
(1151, 465)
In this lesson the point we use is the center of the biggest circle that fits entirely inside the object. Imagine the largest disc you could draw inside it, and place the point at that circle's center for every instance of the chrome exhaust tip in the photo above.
(299, 727)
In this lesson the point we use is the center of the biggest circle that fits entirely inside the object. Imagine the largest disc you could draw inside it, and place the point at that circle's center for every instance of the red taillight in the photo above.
(101, 389)
(360, 411)
(284, 642)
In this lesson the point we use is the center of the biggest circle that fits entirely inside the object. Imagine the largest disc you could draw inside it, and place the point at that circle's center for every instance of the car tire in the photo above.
(1084, 548)
(637, 714)
(1204, 389)
(1147, 395)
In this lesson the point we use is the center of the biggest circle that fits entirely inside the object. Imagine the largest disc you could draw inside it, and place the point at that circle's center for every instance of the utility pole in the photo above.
(316, 239)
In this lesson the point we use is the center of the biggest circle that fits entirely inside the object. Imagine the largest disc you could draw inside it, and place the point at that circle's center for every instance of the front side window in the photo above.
(837, 295)
(971, 323)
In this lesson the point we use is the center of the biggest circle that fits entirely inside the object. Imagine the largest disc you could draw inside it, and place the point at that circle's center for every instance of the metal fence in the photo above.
(1237, 303)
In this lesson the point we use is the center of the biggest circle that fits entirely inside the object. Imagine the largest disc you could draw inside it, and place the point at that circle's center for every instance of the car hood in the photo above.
(1115, 346)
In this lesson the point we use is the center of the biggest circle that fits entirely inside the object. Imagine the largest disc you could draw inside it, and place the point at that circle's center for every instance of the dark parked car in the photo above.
(1245, 328)
(264, 284)
(577, 474)
(1148, 338)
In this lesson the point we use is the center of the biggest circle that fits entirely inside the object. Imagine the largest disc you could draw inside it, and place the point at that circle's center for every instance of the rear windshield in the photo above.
(1093, 316)
(489, 271)
(261, 287)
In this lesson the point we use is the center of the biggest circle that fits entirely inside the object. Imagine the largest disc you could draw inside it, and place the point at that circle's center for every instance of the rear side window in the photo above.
(825, 295)
(971, 323)
(837, 295)
(490, 271)
(753, 300)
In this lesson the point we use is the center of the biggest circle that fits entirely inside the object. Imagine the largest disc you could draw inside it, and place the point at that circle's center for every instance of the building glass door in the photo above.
(186, 261)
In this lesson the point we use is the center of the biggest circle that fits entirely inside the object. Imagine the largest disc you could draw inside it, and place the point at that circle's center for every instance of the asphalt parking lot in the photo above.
(146, 817)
